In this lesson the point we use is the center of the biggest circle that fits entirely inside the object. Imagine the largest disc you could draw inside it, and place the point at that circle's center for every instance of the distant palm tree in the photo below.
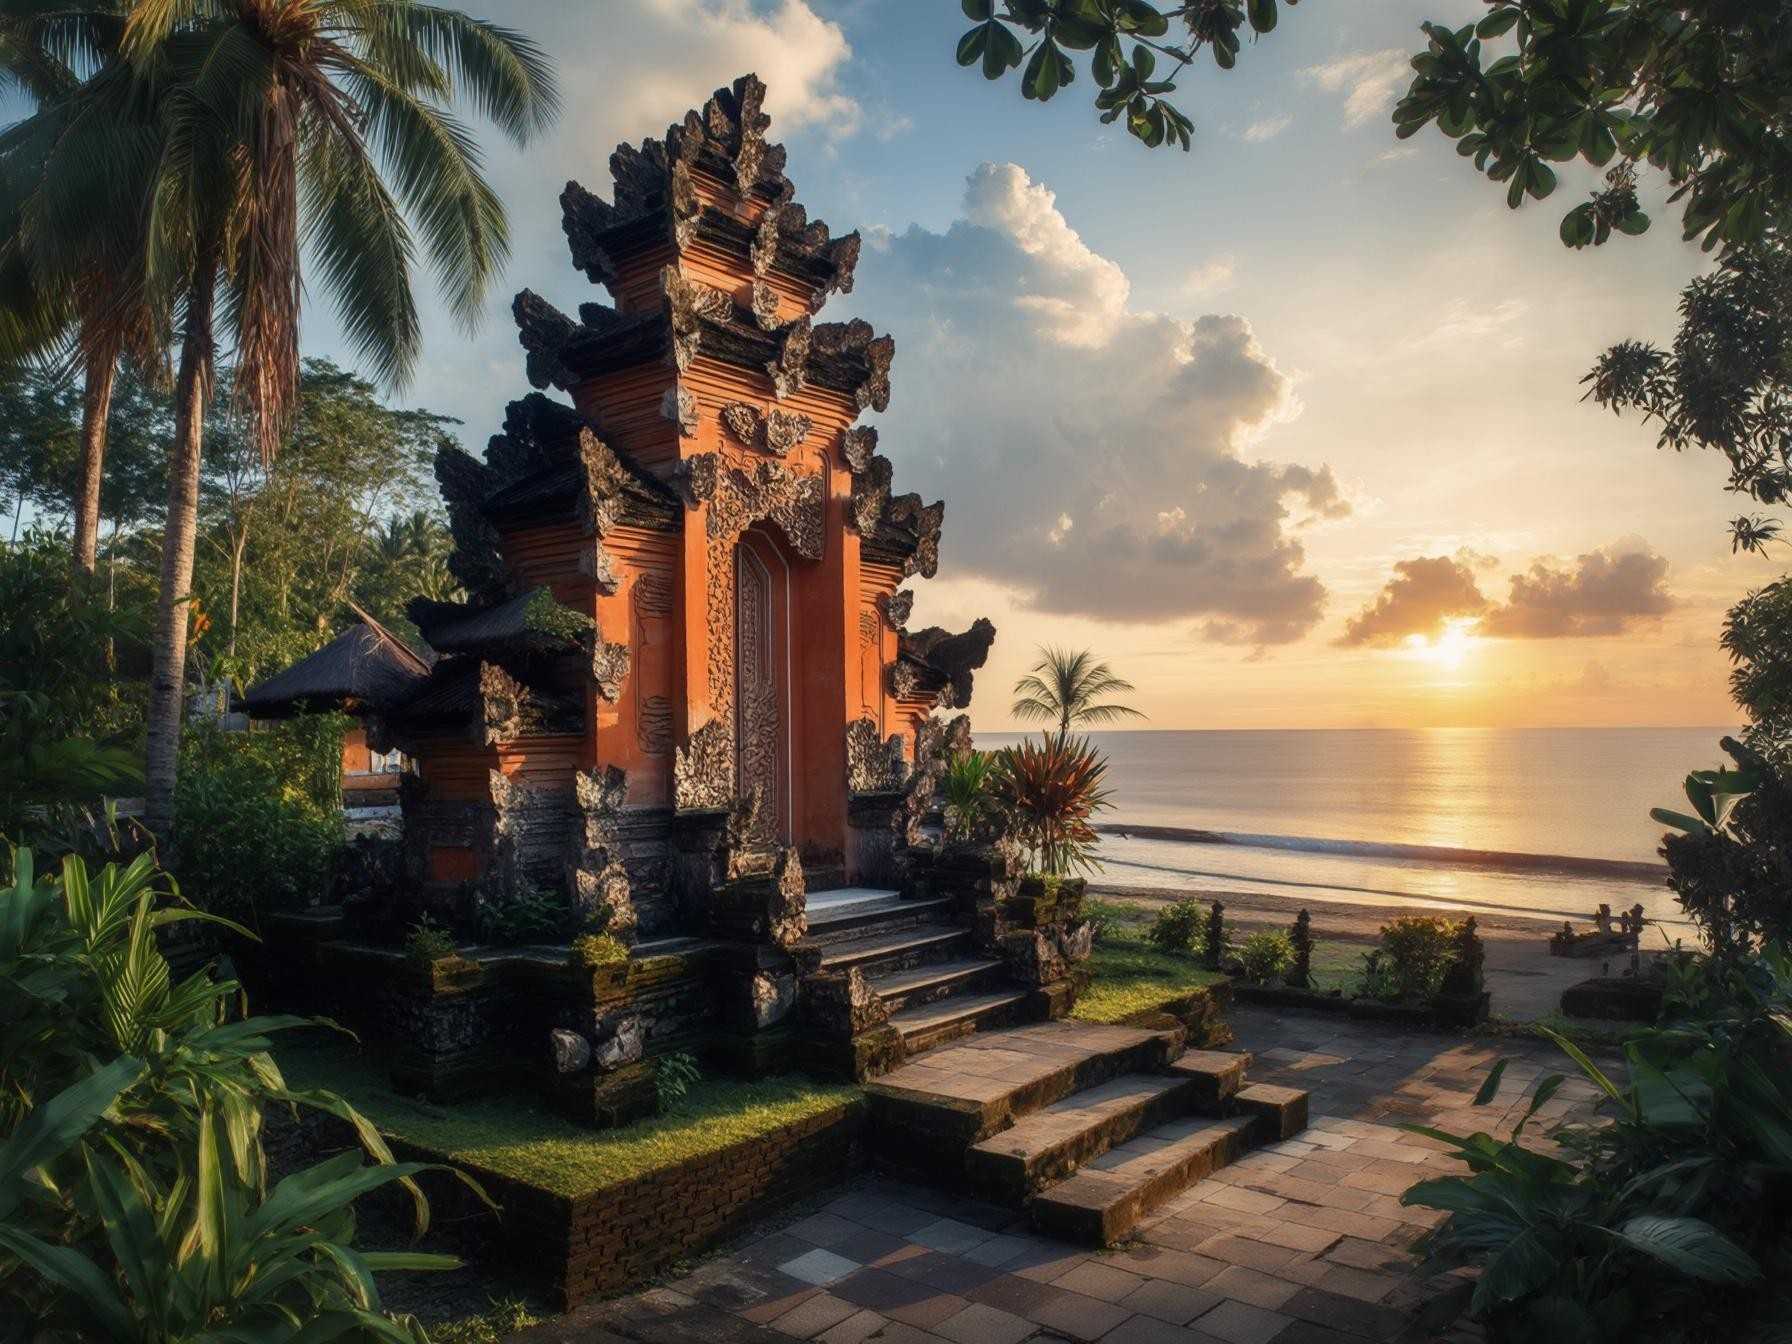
(1065, 687)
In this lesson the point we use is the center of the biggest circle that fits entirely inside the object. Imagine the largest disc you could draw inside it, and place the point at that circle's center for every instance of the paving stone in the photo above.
(1076, 1315)
(1252, 1286)
(1002, 1249)
(882, 1291)
(1241, 1323)
(978, 1324)
(868, 1247)
(824, 1229)
(1098, 1280)
(1305, 1332)
(1372, 1256)
(814, 1315)
(1176, 1266)
(1010, 1292)
(1346, 1313)
(1235, 1197)
(1243, 1251)
(855, 1329)
(1173, 1302)
(819, 1267)
(928, 1311)
(1150, 1330)
(949, 1235)
(943, 1273)
(1293, 1235)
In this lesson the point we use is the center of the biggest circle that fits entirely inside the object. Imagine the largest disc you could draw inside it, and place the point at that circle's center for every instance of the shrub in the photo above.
(135, 1200)
(533, 917)
(1179, 927)
(1109, 919)
(260, 814)
(492, 1326)
(1663, 1224)
(427, 942)
(1047, 791)
(1266, 955)
(592, 950)
(673, 1077)
(970, 803)
(1418, 951)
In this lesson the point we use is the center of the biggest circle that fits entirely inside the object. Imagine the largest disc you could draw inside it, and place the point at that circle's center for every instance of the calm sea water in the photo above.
(1547, 821)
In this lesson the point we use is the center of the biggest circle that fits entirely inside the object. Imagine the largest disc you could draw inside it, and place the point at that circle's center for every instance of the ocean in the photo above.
(1537, 821)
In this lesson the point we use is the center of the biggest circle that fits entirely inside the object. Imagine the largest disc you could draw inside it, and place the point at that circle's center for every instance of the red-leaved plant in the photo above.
(1048, 790)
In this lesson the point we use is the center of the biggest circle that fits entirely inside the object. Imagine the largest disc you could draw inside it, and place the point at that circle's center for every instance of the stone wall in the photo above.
(578, 1249)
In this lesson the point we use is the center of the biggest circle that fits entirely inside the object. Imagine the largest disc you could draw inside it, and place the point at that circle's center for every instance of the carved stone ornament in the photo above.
(903, 679)
(703, 769)
(936, 744)
(926, 521)
(465, 483)
(597, 880)
(680, 407)
(789, 913)
(600, 501)
(899, 606)
(508, 710)
(856, 340)
(873, 765)
(543, 331)
(690, 303)
(765, 306)
(789, 367)
(769, 431)
(609, 666)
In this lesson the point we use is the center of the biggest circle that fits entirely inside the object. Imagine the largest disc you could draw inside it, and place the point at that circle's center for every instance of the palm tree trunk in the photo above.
(236, 584)
(96, 407)
(166, 685)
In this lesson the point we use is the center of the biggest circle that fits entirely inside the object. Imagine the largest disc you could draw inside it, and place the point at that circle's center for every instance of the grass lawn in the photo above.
(1133, 977)
(519, 1137)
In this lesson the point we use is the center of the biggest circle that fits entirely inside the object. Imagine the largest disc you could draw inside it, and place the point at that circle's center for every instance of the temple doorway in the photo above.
(762, 719)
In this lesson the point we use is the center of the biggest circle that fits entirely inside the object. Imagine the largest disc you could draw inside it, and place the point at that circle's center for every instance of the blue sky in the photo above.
(1314, 354)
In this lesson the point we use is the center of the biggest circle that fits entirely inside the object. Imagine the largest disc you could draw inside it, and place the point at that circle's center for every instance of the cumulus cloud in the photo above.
(1608, 591)
(1212, 276)
(1421, 599)
(1369, 80)
(1267, 129)
(1092, 456)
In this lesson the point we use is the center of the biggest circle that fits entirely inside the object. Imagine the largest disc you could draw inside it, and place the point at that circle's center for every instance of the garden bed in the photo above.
(583, 1212)
(1135, 984)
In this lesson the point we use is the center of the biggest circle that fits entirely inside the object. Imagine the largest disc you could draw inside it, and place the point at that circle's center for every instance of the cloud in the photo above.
(1091, 455)
(1212, 276)
(1421, 599)
(1267, 129)
(1608, 591)
(1368, 79)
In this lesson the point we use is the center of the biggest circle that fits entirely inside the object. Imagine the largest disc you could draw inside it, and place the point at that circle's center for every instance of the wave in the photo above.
(1442, 855)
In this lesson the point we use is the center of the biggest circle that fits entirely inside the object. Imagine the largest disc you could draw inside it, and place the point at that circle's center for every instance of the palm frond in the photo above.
(502, 73)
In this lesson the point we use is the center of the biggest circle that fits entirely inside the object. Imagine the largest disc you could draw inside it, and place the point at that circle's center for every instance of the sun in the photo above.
(1448, 648)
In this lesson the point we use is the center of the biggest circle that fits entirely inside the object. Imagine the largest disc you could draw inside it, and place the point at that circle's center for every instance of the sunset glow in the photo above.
(1447, 649)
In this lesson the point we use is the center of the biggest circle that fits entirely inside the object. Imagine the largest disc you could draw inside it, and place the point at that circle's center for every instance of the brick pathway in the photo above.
(1302, 1242)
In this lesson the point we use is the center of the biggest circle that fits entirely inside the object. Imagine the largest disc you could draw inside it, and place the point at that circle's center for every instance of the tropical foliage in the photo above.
(1066, 687)
(68, 723)
(1661, 1223)
(1180, 927)
(1266, 955)
(1047, 792)
(136, 1201)
(1414, 957)
(970, 801)
(260, 815)
(1694, 92)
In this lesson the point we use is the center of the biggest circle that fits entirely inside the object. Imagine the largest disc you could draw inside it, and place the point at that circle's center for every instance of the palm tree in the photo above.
(72, 308)
(320, 125)
(1065, 687)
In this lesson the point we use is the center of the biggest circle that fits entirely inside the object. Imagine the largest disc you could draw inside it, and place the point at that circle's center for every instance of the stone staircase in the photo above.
(918, 964)
(1088, 1128)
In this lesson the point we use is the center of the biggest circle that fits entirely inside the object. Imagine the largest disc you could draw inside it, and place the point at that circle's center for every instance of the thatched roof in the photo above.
(532, 622)
(365, 667)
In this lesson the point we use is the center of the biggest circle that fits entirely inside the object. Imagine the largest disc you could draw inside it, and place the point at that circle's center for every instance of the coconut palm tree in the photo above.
(290, 127)
(1066, 687)
(71, 307)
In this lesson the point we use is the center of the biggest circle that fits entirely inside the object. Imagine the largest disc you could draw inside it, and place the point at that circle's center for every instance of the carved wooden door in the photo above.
(759, 735)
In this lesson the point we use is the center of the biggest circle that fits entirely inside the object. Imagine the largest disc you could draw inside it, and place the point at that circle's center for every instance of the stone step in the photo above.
(932, 983)
(1106, 1199)
(935, 1106)
(1049, 1145)
(932, 1024)
(898, 951)
(1281, 1112)
(836, 921)
(1214, 1077)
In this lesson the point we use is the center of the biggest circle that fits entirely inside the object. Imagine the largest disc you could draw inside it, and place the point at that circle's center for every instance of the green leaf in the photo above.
(88, 1292)
(1586, 1065)
(52, 1129)
(1678, 820)
(1262, 15)
(1497, 24)
(970, 46)
(979, 10)
(1690, 1246)
(1002, 51)
(1521, 1268)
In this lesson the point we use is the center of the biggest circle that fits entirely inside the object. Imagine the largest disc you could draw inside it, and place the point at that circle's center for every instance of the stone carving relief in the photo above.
(898, 606)
(509, 710)
(689, 303)
(609, 665)
(596, 878)
(769, 431)
(873, 764)
(789, 367)
(763, 302)
(703, 769)
(679, 405)
(653, 724)
(758, 723)
(600, 502)
(734, 498)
